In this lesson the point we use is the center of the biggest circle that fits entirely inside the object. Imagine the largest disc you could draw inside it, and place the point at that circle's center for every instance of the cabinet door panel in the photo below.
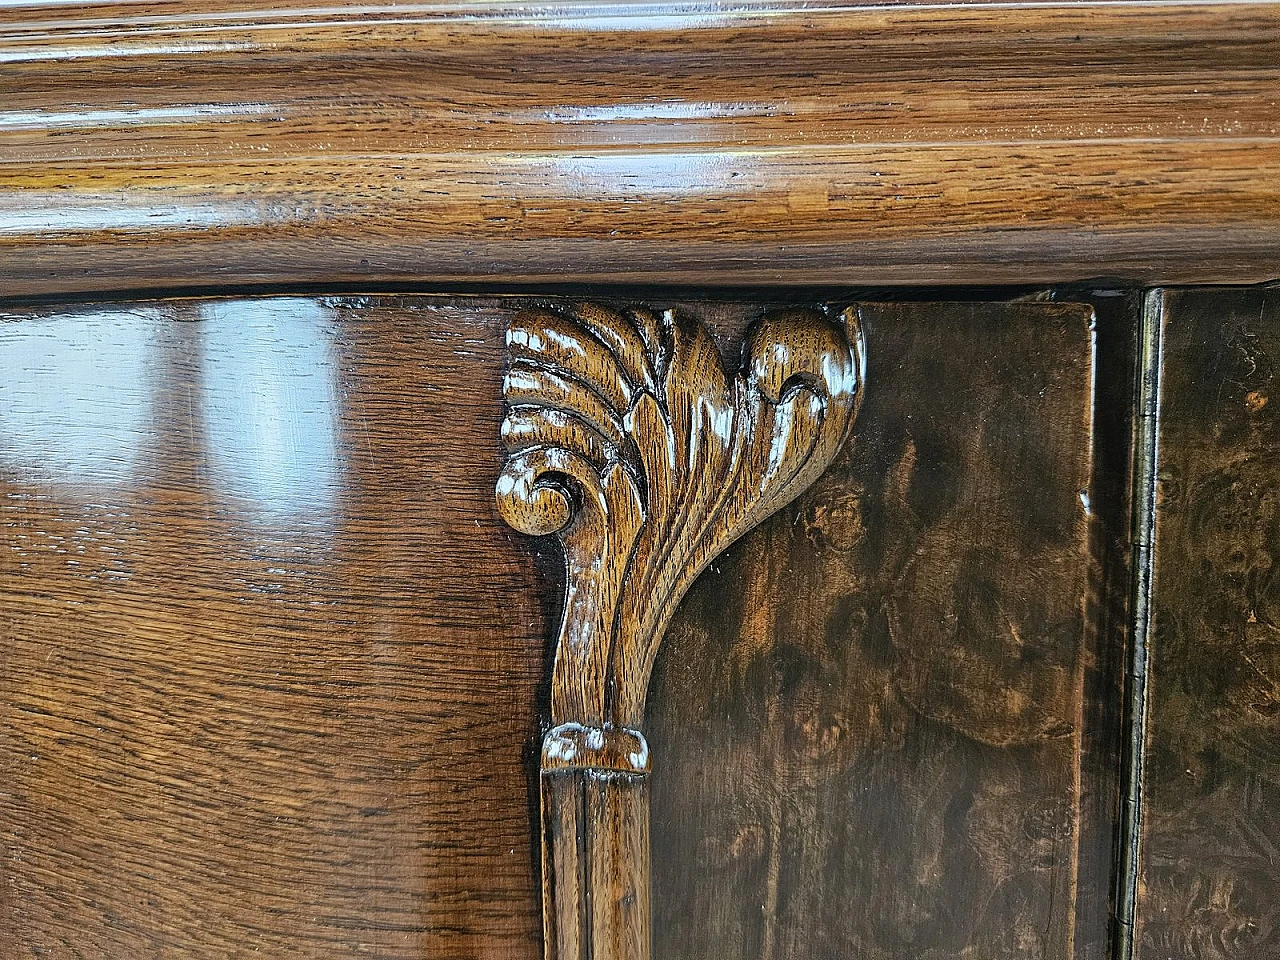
(887, 723)
(270, 661)
(1210, 879)
(275, 673)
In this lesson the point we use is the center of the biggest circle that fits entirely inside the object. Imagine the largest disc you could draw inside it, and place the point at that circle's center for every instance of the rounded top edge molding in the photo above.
(618, 143)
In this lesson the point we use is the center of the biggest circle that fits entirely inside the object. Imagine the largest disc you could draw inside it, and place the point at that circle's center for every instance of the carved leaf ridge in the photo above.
(630, 441)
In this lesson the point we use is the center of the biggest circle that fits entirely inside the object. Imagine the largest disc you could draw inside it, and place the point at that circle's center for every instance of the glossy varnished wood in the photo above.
(1210, 854)
(271, 661)
(275, 670)
(887, 722)
(215, 142)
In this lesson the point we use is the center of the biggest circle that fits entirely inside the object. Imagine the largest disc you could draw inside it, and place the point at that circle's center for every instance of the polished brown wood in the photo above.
(271, 662)
(276, 672)
(630, 441)
(210, 142)
(1209, 883)
(887, 721)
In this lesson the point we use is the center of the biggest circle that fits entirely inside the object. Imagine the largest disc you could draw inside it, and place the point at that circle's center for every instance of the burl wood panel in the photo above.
(270, 663)
(1210, 855)
(882, 720)
(219, 142)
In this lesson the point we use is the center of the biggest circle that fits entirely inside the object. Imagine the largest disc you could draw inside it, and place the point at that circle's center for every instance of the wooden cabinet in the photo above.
(613, 480)
(277, 673)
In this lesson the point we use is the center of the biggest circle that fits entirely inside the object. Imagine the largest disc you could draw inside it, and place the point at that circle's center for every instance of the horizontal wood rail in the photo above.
(171, 145)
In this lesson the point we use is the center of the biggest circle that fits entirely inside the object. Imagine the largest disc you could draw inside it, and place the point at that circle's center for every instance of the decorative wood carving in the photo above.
(631, 443)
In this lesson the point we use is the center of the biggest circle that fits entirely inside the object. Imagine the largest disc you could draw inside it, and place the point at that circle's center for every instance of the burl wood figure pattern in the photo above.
(630, 442)
(1210, 858)
(875, 717)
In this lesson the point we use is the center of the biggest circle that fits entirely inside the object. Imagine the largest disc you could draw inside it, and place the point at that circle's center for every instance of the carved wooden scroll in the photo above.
(629, 441)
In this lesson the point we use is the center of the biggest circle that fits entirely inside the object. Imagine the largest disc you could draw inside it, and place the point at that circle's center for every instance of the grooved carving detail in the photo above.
(630, 442)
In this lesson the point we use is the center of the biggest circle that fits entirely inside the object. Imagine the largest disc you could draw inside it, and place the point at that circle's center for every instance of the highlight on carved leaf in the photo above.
(630, 441)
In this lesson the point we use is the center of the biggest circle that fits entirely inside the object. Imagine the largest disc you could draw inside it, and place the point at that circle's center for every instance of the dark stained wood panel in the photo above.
(885, 725)
(271, 664)
(1210, 855)
(212, 143)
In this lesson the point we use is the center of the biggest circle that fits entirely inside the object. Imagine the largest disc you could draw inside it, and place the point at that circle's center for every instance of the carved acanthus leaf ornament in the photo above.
(630, 441)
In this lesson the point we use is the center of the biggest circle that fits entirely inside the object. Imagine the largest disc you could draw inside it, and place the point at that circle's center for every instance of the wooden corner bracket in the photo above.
(630, 442)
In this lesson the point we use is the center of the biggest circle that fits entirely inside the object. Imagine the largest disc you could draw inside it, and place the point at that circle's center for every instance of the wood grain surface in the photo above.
(271, 662)
(274, 671)
(1210, 855)
(887, 722)
(213, 142)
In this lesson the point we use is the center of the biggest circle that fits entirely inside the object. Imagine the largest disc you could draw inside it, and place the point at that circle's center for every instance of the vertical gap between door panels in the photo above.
(1135, 707)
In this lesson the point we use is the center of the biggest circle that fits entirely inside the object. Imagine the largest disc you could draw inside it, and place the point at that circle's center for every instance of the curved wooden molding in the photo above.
(291, 143)
(631, 443)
